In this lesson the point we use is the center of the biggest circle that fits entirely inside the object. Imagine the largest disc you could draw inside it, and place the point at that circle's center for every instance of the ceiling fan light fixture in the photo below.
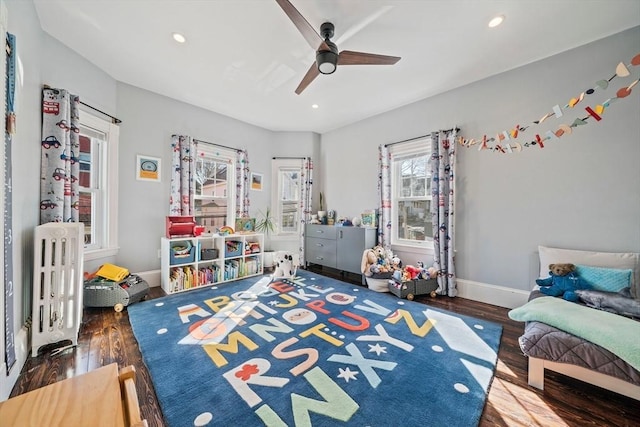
(327, 61)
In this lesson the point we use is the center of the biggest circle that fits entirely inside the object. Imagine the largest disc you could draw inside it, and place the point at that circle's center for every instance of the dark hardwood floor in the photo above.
(106, 337)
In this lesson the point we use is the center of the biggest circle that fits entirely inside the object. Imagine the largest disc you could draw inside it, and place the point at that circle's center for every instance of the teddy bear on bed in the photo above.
(562, 281)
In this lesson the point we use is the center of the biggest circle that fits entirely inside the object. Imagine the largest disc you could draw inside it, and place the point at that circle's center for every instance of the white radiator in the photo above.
(57, 284)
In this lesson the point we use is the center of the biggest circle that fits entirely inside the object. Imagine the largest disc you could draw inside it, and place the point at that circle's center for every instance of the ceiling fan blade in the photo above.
(307, 31)
(348, 57)
(308, 78)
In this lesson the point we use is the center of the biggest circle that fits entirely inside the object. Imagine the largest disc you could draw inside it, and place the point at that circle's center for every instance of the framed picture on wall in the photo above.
(256, 181)
(147, 168)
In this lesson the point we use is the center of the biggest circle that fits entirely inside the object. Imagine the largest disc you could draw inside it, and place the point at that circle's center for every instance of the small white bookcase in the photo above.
(192, 262)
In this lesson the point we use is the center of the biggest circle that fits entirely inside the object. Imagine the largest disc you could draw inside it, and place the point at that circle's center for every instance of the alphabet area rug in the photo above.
(312, 351)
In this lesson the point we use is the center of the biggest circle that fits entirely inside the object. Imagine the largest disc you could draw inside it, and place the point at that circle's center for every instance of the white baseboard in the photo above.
(152, 277)
(22, 352)
(476, 291)
(491, 294)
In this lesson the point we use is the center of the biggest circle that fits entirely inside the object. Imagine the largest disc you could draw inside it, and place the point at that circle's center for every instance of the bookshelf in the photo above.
(189, 263)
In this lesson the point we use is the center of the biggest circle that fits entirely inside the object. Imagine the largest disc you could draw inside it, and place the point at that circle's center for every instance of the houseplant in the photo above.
(265, 223)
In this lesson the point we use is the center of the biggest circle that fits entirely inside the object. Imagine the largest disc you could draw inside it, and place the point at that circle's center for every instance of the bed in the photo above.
(575, 340)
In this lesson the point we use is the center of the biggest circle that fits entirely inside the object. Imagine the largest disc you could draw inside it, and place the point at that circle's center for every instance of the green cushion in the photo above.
(604, 279)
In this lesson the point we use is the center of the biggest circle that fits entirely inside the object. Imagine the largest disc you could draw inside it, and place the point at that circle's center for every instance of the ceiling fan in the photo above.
(327, 56)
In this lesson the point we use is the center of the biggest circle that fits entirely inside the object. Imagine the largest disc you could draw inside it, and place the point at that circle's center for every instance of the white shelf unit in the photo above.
(184, 272)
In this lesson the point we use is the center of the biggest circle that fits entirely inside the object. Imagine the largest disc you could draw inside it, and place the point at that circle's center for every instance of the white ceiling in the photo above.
(244, 58)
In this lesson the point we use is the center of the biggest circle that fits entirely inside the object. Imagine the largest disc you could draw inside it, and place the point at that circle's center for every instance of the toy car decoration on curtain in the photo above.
(59, 167)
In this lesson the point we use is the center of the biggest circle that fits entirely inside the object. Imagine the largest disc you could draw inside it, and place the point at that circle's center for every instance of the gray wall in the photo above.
(149, 120)
(581, 192)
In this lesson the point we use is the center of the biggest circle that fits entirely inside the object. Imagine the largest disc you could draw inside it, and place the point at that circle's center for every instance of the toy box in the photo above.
(100, 292)
(207, 254)
(232, 248)
(181, 252)
(412, 288)
(378, 285)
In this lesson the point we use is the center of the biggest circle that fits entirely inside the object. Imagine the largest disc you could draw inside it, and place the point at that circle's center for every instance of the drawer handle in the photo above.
(319, 231)
(319, 257)
(319, 244)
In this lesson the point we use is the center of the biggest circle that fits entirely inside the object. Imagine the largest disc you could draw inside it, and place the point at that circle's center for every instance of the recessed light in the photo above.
(179, 37)
(496, 21)
(315, 106)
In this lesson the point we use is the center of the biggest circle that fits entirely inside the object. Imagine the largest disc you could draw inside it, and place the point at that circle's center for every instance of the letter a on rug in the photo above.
(312, 351)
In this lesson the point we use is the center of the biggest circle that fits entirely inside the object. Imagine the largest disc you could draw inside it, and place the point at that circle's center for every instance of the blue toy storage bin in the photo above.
(182, 252)
(232, 248)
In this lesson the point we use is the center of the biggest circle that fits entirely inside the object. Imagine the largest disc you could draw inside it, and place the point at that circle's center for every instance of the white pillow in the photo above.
(622, 260)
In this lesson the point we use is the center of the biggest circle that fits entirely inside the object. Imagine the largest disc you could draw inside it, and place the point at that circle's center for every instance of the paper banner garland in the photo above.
(504, 142)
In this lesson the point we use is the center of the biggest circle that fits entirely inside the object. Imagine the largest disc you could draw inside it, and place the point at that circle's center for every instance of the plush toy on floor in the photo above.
(285, 267)
(369, 265)
(562, 281)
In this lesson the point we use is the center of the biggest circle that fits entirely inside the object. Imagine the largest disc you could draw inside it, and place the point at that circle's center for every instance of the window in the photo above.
(286, 195)
(98, 182)
(411, 194)
(214, 199)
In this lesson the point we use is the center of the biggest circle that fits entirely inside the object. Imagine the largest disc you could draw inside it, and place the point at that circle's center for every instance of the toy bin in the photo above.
(410, 289)
(232, 248)
(207, 254)
(100, 292)
(378, 285)
(182, 252)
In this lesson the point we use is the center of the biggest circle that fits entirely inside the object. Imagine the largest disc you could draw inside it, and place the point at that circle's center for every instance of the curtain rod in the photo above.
(114, 120)
(419, 137)
(217, 145)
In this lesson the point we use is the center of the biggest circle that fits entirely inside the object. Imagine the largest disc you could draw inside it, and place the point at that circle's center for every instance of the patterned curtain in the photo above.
(384, 194)
(443, 161)
(242, 184)
(59, 167)
(183, 151)
(306, 201)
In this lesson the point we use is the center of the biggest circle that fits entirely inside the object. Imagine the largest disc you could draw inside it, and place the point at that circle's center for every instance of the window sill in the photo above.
(100, 253)
(421, 250)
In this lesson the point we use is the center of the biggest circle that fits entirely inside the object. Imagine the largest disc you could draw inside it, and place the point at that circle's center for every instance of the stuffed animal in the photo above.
(426, 273)
(562, 281)
(383, 259)
(396, 263)
(369, 264)
(285, 268)
(379, 251)
(411, 272)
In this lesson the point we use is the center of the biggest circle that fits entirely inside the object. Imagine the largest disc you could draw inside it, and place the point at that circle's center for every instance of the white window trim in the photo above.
(424, 247)
(112, 132)
(278, 165)
(230, 157)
